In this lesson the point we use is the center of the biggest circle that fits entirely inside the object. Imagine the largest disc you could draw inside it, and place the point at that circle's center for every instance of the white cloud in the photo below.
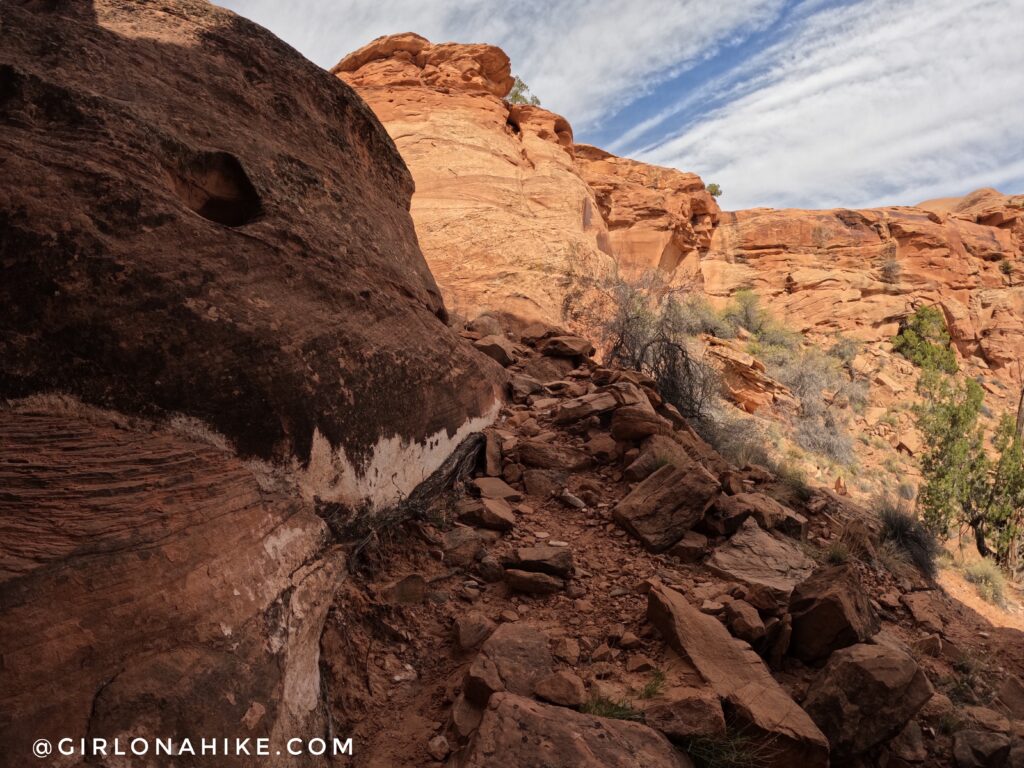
(584, 58)
(879, 102)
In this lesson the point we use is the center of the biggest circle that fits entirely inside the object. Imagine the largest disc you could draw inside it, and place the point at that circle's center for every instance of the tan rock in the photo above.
(563, 688)
(830, 611)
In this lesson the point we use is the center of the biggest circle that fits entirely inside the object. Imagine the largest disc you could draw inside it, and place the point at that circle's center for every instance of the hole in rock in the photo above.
(214, 185)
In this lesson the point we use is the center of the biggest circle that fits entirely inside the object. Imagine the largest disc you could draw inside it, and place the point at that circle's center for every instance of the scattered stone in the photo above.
(595, 403)
(639, 663)
(866, 695)
(603, 652)
(661, 509)
(691, 548)
(495, 514)
(462, 546)
(744, 621)
(602, 448)
(495, 488)
(535, 453)
(562, 688)
(571, 500)
(830, 611)
(738, 676)
(728, 513)
(508, 615)
(555, 561)
(532, 583)
(922, 607)
(472, 629)
(528, 734)
(465, 717)
(686, 713)
(498, 348)
(438, 747)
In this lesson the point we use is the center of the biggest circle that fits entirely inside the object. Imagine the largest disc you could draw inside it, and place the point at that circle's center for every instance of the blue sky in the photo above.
(785, 103)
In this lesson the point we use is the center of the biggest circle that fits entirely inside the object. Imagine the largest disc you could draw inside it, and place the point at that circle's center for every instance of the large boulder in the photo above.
(521, 733)
(758, 559)
(830, 611)
(739, 677)
(235, 295)
(266, 281)
(661, 509)
(866, 695)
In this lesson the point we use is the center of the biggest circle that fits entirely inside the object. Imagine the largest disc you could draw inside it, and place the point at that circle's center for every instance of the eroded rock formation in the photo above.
(509, 211)
(860, 272)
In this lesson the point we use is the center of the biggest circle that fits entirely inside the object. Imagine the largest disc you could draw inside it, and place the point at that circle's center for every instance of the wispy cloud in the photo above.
(881, 101)
(584, 58)
(807, 103)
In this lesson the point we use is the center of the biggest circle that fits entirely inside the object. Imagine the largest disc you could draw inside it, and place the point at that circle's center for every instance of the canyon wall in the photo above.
(207, 251)
(508, 210)
(507, 206)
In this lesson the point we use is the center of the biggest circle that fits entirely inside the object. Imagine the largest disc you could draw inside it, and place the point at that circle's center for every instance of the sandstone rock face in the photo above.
(520, 733)
(507, 207)
(136, 600)
(865, 695)
(740, 678)
(860, 272)
(657, 218)
(285, 301)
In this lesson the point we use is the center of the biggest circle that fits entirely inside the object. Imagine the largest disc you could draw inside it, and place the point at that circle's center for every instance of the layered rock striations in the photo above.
(509, 211)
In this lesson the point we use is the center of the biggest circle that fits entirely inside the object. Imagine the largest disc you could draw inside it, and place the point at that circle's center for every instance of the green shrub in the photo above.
(845, 350)
(715, 190)
(924, 341)
(739, 439)
(988, 579)
(745, 312)
(695, 316)
(909, 534)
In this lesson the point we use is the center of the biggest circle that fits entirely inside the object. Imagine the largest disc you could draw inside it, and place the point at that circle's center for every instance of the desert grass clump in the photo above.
(617, 710)
(735, 749)
(909, 534)
(988, 579)
(654, 686)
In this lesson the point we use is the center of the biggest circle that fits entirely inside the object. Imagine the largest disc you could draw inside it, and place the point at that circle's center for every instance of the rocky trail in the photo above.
(555, 581)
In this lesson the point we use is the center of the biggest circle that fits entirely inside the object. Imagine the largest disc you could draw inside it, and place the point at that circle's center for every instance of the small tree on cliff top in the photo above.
(965, 484)
(715, 190)
(520, 94)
